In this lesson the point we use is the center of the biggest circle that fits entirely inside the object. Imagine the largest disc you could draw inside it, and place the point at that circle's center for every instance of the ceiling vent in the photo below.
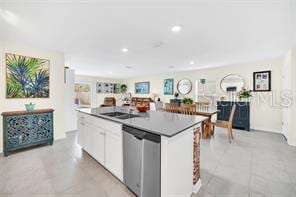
(158, 44)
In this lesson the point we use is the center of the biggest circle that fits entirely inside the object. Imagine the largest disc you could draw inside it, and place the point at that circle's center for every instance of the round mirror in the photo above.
(184, 86)
(232, 83)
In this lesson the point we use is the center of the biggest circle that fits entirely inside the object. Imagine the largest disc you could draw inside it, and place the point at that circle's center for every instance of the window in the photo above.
(83, 95)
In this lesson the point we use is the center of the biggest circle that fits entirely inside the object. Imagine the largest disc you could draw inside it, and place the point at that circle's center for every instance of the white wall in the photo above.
(289, 117)
(70, 107)
(56, 85)
(264, 116)
(98, 99)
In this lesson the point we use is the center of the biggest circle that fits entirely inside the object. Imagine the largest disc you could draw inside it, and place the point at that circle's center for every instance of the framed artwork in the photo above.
(168, 87)
(26, 77)
(107, 88)
(142, 88)
(262, 81)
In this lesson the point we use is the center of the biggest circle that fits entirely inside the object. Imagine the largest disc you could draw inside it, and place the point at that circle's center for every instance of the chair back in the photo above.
(109, 101)
(188, 109)
(171, 107)
(232, 113)
(202, 106)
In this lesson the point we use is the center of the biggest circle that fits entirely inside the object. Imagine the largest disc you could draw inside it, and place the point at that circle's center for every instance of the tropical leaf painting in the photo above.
(26, 77)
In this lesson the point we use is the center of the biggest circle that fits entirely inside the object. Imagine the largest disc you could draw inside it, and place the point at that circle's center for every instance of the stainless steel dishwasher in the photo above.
(141, 162)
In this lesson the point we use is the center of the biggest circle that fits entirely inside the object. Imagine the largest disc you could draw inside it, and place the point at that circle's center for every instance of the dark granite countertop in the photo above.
(157, 122)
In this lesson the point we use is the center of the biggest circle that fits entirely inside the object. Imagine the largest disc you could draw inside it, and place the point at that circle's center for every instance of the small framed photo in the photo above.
(262, 81)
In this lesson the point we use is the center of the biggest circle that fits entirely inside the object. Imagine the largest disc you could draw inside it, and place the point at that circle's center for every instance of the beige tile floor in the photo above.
(255, 164)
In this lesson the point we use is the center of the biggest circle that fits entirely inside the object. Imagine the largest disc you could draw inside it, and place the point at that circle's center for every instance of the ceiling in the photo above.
(92, 33)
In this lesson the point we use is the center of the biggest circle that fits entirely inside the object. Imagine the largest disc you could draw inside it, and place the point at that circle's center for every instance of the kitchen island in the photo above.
(153, 153)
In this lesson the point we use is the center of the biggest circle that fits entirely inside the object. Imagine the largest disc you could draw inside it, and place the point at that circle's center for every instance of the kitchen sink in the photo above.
(120, 115)
(127, 116)
(114, 114)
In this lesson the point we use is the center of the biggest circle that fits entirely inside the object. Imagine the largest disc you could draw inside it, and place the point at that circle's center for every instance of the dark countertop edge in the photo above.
(162, 134)
(121, 122)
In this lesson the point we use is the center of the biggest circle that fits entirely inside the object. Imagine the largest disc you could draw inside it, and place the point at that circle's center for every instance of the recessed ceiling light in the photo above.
(128, 67)
(110, 72)
(176, 28)
(124, 50)
(191, 62)
(171, 67)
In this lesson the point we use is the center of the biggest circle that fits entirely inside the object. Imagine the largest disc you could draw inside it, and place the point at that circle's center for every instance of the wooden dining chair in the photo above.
(172, 107)
(188, 109)
(225, 124)
(202, 106)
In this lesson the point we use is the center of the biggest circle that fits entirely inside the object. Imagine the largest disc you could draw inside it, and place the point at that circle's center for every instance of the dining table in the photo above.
(207, 131)
(208, 112)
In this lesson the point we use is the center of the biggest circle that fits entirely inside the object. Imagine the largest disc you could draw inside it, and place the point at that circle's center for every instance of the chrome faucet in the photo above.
(130, 111)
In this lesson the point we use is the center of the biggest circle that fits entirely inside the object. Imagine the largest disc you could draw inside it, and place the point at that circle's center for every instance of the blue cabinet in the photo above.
(22, 129)
(241, 118)
(176, 101)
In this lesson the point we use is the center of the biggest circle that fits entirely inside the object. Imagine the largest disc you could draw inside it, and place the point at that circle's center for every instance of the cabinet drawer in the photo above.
(108, 125)
(84, 117)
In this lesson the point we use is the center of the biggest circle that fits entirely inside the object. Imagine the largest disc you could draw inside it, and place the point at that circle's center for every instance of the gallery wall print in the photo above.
(142, 87)
(262, 81)
(107, 88)
(168, 87)
(26, 77)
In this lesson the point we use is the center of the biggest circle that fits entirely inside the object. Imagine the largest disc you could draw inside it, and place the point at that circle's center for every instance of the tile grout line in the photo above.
(219, 161)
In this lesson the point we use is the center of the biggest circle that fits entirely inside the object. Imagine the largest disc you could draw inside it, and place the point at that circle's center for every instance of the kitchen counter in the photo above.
(154, 153)
(157, 122)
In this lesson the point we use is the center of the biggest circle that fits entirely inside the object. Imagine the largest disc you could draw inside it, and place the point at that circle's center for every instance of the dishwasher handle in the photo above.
(138, 138)
(140, 134)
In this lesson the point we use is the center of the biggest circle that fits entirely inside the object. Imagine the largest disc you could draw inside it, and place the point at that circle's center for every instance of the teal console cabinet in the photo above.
(22, 129)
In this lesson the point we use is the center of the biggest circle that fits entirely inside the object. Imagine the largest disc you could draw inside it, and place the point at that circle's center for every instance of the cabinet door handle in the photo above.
(82, 123)
(102, 133)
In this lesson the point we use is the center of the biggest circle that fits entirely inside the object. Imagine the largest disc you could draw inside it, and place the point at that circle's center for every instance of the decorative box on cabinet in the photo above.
(22, 129)
(241, 118)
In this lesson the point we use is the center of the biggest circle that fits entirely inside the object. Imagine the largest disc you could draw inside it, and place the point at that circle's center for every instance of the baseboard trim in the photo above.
(291, 142)
(266, 130)
(72, 131)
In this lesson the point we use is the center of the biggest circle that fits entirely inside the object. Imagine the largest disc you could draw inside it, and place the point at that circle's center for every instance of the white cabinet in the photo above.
(99, 145)
(88, 139)
(113, 154)
(81, 133)
(102, 139)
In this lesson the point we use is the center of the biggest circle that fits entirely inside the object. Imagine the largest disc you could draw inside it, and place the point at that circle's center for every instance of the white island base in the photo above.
(177, 165)
(102, 139)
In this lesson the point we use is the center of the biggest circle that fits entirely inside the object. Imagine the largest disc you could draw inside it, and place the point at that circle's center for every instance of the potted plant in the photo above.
(187, 101)
(244, 94)
(30, 106)
(123, 88)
